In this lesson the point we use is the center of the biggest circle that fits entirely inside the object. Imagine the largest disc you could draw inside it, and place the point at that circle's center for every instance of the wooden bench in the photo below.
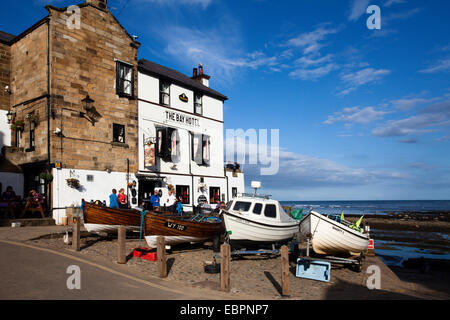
(33, 206)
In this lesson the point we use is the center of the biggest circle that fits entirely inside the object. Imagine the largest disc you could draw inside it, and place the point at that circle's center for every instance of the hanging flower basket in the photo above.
(48, 177)
(32, 118)
(18, 125)
(73, 183)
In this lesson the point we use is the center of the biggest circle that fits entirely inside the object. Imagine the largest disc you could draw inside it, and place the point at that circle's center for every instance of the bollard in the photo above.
(285, 284)
(76, 234)
(161, 253)
(225, 267)
(121, 237)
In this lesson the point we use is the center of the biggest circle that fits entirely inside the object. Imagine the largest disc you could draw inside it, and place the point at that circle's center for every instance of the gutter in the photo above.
(49, 198)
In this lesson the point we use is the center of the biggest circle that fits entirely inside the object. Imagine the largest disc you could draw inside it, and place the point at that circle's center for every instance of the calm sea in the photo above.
(371, 207)
(393, 247)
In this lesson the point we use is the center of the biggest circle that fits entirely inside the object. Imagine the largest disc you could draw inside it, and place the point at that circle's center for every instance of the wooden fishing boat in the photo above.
(333, 237)
(103, 219)
(177, 229)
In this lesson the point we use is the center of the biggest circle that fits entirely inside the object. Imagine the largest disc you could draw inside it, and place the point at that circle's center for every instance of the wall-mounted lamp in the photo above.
(91, 113)
(7, 89)
(10, 115)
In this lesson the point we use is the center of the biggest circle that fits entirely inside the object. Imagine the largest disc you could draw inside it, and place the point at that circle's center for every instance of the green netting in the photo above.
(297, 214)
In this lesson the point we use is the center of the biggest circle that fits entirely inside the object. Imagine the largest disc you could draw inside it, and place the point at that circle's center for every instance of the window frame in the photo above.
(196, 94)
(161, 92)
(236, 202)
(179, 194)
(260, 210)
(120, 82)
(32, 136)
(116, 140)
(265, 209)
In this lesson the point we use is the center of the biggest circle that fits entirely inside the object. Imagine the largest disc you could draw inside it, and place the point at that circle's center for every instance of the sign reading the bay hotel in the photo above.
(180, 118)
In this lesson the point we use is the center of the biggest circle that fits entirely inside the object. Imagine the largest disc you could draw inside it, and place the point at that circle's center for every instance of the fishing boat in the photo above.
(256, 220)
(103, 219)
(177, 229)
(332, 235)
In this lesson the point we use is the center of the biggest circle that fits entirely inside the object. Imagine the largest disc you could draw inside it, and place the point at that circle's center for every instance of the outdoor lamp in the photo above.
(87, 103)
(9, 115)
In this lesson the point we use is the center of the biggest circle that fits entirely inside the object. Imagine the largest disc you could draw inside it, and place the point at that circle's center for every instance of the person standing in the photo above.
(122, 198)
(155, 200)
(171, 205)
(179, 207)
(113, 202)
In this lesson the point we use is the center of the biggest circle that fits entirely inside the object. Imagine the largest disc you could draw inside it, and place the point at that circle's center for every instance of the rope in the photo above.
(143, 213)
(81, 207)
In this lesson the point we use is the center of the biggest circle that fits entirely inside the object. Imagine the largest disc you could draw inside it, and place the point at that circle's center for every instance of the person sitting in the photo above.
(171, 205)
(113, 202)
(122, 198)
(155, 200)
(9, 194)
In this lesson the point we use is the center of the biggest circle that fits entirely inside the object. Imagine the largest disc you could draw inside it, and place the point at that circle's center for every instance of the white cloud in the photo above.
(313, 74)
(353, 80)
(389, 3)
(407, 104)
(202, 3)
(427, 120)
(441, 65)
(309, 41)
(356, 115)
(358, 8)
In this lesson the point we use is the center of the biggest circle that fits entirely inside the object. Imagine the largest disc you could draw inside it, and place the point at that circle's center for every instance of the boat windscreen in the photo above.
(242, 206)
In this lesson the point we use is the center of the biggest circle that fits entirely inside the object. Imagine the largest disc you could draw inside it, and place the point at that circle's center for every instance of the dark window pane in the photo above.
(270, 211)
(257, 208)
(118, 133)
(242, 206)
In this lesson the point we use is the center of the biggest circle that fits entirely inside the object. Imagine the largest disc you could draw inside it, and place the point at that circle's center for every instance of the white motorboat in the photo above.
(333, 236)
(257, 220)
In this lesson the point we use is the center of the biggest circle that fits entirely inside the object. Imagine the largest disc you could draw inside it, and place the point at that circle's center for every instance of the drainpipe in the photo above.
(49, 198)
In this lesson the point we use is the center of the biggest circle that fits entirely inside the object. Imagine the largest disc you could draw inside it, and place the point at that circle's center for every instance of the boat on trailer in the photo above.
(177, 229)
(253, 220)
(104, 219)
(331, 235)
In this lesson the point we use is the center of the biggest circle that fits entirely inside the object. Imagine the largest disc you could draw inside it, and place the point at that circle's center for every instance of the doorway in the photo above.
(214, 195)
(145, 191)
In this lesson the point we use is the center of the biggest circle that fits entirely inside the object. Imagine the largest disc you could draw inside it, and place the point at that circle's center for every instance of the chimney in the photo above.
(101, 4)
(201, 77)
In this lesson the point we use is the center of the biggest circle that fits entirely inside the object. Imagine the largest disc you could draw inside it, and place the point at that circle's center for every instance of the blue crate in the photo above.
(317, 270)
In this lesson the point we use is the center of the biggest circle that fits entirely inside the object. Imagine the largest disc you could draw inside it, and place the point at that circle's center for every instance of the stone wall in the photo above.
(5, 64)
(83, 62)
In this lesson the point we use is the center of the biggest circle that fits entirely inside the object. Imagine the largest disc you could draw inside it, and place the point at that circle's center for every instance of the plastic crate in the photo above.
(314, 270)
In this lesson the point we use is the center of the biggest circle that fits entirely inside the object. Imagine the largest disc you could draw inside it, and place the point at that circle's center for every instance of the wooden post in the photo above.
(121, 237)
(225, 267)
(161, 252)
(76, 234)
(285, 284)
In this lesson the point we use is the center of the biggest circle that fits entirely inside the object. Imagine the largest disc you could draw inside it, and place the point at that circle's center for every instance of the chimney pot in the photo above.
(194, 72)
(200, 69)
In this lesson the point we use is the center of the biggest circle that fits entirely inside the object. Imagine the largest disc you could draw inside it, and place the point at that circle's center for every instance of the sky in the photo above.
(362, 114)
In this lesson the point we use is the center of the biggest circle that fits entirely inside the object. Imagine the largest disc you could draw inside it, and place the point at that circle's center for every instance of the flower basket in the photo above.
(48, 177)
(73, 183)
(18, 125)
(32, 118)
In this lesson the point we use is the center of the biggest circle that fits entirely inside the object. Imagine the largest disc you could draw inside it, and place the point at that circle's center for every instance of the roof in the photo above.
(6, 37)
(177, 77)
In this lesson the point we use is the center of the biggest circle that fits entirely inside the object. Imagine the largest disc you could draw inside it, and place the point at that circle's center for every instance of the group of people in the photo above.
(173, 203)
(10, 195)
(118, 200)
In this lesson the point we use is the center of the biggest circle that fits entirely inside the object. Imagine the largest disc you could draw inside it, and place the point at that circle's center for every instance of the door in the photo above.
(214, 195)
(146, 189)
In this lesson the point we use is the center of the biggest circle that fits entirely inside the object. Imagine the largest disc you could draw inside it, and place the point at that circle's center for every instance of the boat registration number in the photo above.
(175, 226)
(337, 229)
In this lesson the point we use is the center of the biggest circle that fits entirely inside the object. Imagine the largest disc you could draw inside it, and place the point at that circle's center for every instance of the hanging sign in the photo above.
(183, 97)
(149, 153)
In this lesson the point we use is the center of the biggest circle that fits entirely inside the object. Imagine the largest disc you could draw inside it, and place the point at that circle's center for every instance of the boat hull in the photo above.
(103, 219)
(176, 230)
(331, 237)
(245, 231)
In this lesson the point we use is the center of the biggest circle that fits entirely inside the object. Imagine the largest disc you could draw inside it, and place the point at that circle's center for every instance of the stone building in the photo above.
(72, 98)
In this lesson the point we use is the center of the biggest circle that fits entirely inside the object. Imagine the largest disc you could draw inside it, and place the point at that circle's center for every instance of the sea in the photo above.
(393, 247)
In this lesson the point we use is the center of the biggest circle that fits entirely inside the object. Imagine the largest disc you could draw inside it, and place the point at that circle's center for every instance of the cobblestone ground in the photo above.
(255, 276)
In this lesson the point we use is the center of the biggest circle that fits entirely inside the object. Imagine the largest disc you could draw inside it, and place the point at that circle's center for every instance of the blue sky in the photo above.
(362, 114)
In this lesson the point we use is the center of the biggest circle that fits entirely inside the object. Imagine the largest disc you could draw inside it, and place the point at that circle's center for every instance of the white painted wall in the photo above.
(148, 88)
(5, 130)
(100, 189)
(14, 180)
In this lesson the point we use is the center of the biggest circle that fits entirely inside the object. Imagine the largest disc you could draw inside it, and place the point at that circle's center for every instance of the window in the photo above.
(257, 208)
(233, 192)
(201, 149)
(214, 195)
(118, 133)
(32, 136)
(198, 104)
(90, 178)
(229, 204)
(164, 93)
(270, 211)
(183, 193)
(167, 144)
(242, 206)
(124, 79)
